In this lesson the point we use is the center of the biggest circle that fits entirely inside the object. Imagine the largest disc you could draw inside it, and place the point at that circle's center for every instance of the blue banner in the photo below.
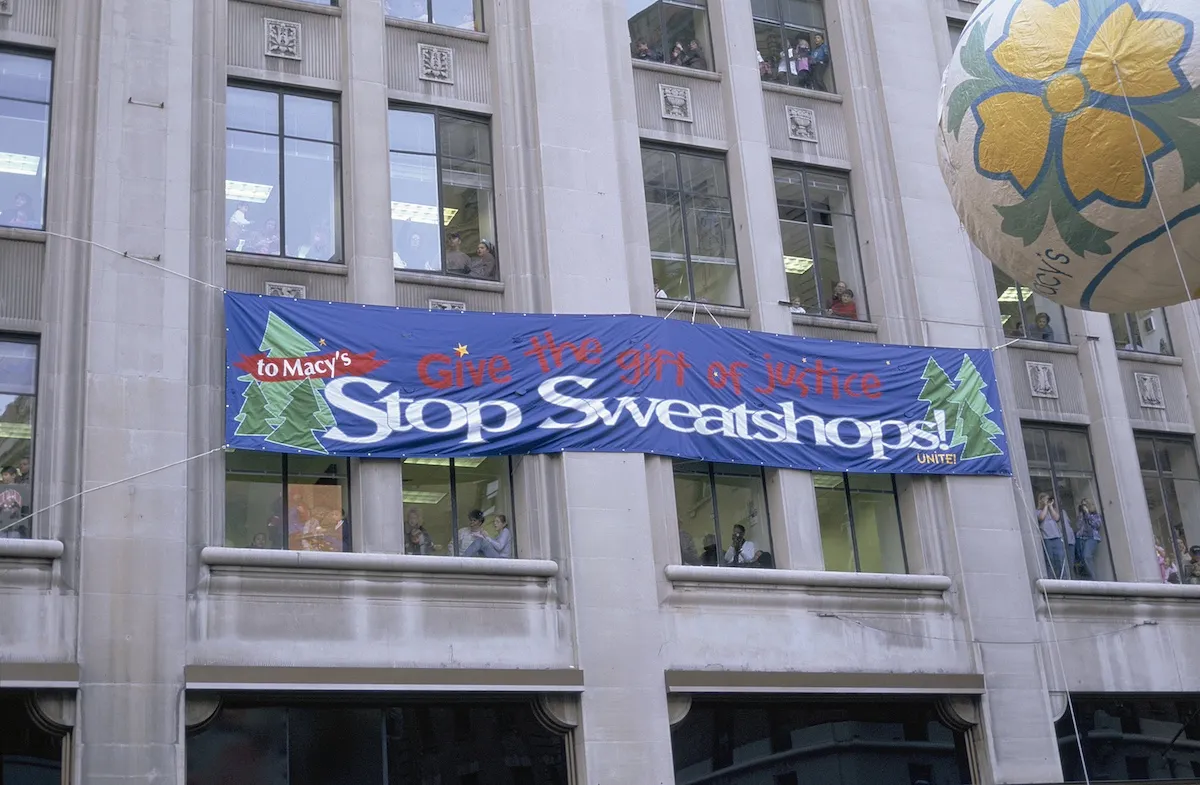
(367, 381)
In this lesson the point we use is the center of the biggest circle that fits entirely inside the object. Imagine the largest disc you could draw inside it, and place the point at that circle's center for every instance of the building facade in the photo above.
(174, 612)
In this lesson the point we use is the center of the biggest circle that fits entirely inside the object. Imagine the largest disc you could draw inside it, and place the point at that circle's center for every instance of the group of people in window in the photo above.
(801, 62)
(482, 265)
(740, 553)
(1069, 546)
(1041, 330)
(687, 55)
(15, 494)
(841, 303)
(478, 538)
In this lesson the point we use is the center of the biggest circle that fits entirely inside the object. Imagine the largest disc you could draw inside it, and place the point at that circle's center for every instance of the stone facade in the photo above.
(125, 595)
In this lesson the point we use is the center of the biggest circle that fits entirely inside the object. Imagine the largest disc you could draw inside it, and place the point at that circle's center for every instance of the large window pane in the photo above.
(293, 502)
(463, 14)
(24, 138)
(283, 180)
(1172, 484)
(459, 507)
(833, 515)
(1142, 331)
(1026, 314)
(792, 43)
(722, 515)
(18, 382)
(1130, 737)
(860, 523)
(29, 754)
(672, 31)
(415, 243)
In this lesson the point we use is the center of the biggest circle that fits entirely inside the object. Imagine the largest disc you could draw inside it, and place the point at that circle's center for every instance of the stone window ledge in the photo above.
(28, 550)
(832, 322)
(816, 95)
(286, 263)
(25, 235)
(376, 563)
(914, 584)
(1042, 346)
(1148, 357)
(1057, 588)
(676, 70)
(300, 5)
(436, 29)
(666, 306)
(449, 281)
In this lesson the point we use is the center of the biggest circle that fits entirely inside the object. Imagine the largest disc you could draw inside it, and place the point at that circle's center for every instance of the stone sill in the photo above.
(917, 584)
(299, 5)
(429, 27)
(1149, 357)
(42, 550)
(666, 306)
(1057, 588)
(285, 263)
(1044, 346)
(376, 562)
(833, 323)
(24, 235)
(676, 70)
(803, 92)
(449, 281)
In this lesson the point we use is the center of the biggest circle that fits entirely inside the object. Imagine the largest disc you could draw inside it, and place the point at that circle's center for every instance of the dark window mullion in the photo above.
(453, 510)
(437, 166)
(712, 492)
(281, 140)
(850, 515)
(900, 523)
(285, 513)
(685, 202)
(812, 245)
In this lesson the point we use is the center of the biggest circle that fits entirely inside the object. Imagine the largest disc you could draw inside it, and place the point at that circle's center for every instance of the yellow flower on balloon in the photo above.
(1067, 87)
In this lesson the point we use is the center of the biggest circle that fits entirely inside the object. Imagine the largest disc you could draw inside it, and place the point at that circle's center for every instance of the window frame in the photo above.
(454, 511)
(48, 55)
(711, 476)
(677, 152)
(337, 227)
(348, 538)
(36, 342)
(805, 172)
(784, 27)
(477, 9)
(664, 41)
(437, 113)
(1156, 439)
(1131, 328)
(848, 491)
(1020, 301)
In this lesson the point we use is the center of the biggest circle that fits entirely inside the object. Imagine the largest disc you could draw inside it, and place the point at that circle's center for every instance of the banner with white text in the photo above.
(361, 381)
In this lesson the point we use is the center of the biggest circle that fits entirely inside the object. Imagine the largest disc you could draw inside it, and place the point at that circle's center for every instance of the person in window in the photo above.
(741, 552)
(694, 56)
(765, 71)
(1087, 539)
(659, 292)
(803, 61)
(642, 51)
(417, 541)
(472, 539)
(500, 546)
(20, 214)
(23, 471)
(710, 556)
(797, 305)
(838, 288)
(687, 548)
(11, 505)
(1053, 524)
(266, 241)
(1191, 570)
(844, 306)
(1017, 330)
(1042, 330)
(317, 248)
(258, 542)
(484, 265)
(819, 62)
(677, 53)
(237, 229)
(457, 261)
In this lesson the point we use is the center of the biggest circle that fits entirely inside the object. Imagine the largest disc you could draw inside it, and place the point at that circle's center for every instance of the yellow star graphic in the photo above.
(321, 342)
(461, 350)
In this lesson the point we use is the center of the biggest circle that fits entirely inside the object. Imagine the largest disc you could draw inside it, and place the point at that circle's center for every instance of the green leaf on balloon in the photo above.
(974, 61)
(1175, 119)
(1026, 220)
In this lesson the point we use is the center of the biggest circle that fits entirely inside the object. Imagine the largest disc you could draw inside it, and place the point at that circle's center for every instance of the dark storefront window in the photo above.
(411, 742)
(29, 755)
(829, 741)
(1131, 738)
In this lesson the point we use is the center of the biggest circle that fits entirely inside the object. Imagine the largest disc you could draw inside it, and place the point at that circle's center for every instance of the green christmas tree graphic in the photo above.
(965, 405)
(288, 413)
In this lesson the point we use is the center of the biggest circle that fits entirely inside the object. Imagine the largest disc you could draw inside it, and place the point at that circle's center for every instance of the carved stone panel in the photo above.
(436, 63)
(294, 290)
(6, 7)
(282, 39)
(446, 305)
(1149, 389)
(676, 102)
(802, 124)
(1042, 382)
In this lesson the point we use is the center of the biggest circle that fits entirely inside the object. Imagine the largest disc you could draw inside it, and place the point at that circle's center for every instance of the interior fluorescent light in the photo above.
(423, 497)
(797, 265)
(421, 213)
(15, 430)
(827, 480)
(1009, 295)
(15, 163)
(462, 463)
(247, 192)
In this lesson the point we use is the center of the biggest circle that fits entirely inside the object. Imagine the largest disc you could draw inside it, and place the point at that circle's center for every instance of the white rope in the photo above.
(111, 484)
(138, 259)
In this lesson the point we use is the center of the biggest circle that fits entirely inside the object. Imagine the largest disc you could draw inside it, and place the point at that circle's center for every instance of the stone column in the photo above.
(976, 516)
(132, 585)
(378, 489)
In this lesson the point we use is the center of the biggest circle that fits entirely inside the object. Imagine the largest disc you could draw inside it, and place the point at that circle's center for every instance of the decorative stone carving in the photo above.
(446, 305)
(282, 39)
(6, 7)
(1149, 388)
(1042, 382)
(437, 63)
(678, 707)
(200, 710)
(294, 290)
(557, 712)
(802, 124)
(958, 712)
(676, 102)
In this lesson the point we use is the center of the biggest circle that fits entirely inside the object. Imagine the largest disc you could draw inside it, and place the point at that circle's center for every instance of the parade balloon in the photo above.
(1068, 137)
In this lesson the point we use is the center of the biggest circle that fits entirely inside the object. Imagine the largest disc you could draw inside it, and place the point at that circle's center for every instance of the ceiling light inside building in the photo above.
(15, 163)
(423, 497)
(461, 463)
(1009, 295)
(797, 265)
(421, 213)
(247, 192)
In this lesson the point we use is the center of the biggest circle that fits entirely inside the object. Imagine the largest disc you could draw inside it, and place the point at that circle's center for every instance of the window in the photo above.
(29, 753)
(463, 14)
(1142, 331)
(1075, 547)
(820, 243)
(722, 511)
(24, 138)
(956, 27)
(670, 31)
(1131, 737)
(315, 515)
(282, 165)
(1026, 314)
(18, 391)
(443, 217)
(458, 507)
(823, 739)
(793, 45)
(1172, 484)
(859, 516)
(692, 247)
